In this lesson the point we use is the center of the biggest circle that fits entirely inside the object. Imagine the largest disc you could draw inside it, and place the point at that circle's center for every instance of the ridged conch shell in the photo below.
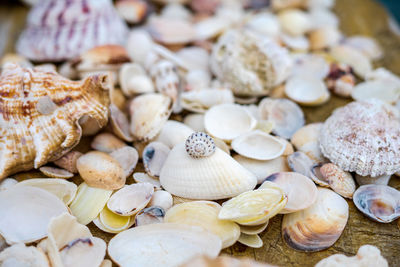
(58, 30)
(380, 203)
(205, 215)
(249, 63)
(254, 207)
(20, 255)
(217, 176)
(40, 113)
(363, 137)
(258, 145)
(306, 140)
(300, 190)
(164, 244)
(26, 211)
(202, 100)
(319, 226)
(340, 181)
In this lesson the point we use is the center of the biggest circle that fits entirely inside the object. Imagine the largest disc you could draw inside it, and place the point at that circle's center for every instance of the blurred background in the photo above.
(393, 6)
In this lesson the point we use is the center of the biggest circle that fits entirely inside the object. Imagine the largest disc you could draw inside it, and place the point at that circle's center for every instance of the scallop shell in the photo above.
(173, 133)
(306, 140)
(380, 203)
(307, 91)
(164, 244)
(319, 226)
(249, 63)
(58, 30)
(47, 108)
(201, 100)
(150, 215)
(217, 176)
(154, 156)
(363, 137)
(258, 145)
(204, 214)
(340, 181)
(20, 255)
(252, 241)
(300, 190)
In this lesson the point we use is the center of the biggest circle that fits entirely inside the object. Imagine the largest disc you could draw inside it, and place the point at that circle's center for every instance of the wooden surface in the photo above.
(363, 17)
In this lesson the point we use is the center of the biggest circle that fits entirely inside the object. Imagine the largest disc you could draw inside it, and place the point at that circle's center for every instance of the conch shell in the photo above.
(40, 113)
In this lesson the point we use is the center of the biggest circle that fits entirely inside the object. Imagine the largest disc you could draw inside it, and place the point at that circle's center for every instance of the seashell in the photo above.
(101, 170)
(141, 177)
(88, 203)
(130, 199)
(20, 255)
(306, 140)
(258, 145)
(383, 74)
(285, 4)
(132, 11)
(7, 183)
(380, 203)
(16, 59)
(195, 122)
(265, 125)
(382, 180)
(179, 200)
(173, 133)
(162, 199)
(56, 31)
(264, 23)
(353, 139)
(171, 31)
(316, 175)
(106, 263)
(254, 207)
(154, 156)
(294, 21)
(252, 241)
(139, 44)
(319, 226)
(211, 27)
(222, 145)
(300, 190)
(194, 58)
(175, 11)
(107, 142)
(205, 6)
(340, 181)
(324, 37)
(285, 114)
(55, 172)
(323, 17)
(367, 255)
(89, 126)
(120, 123)
(307, 91)
(366, 45)
(223, 261)
(134, 80)
(113, 223)
(67, 105)
(149, 112)
(359, 62)
(217, 176)
(202, 100)
(228, 121)
(199, 145)
(127, 157)
(379, 89)
(204, 214)
(62, 189)
(26, 212)
(299, 162)
(341, 79)
(263, 168)
(296, 43)
(68, 161)
(170, 245)
(150, 215)
(314, 65)
(253, 230)
(248, 63)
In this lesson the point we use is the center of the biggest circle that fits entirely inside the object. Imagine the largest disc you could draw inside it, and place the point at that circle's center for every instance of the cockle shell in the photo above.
(201, 100)
(40, 113)
(249, 63)
(363, 137)
(340, 181)
(217, 176)
(306, 140)
(319, 226)
(20, 255)
(173, 133)
(58, 30)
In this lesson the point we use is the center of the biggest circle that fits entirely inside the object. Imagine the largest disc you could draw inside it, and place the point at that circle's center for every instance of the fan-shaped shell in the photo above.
(363, 137)
(40, 113)
(58, 30)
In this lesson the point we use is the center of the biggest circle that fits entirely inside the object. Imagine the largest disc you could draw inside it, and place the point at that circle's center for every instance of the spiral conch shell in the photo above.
(40, 113)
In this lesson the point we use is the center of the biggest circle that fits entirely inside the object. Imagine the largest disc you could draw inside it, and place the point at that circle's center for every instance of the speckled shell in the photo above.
(63, 29)
(40, 112)
(363, 137)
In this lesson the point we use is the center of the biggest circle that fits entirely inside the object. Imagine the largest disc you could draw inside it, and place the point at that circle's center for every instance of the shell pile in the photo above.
(197, 135)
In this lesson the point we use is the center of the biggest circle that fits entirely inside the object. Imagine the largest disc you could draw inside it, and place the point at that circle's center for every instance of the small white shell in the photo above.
(252, 241)
(202, 100)
(55, 172)
(7, 183)
(107, 142)
(20, 255)
(384, 90)
(364, 180)
(161, 198)
(171, 31)
(360, 63)
(173, 133)
(150, 215)
(368, 46)
(294, 21)
(134, 80)
(310, 65)
(301, 163)
(127, 157)
(195, 121)
(141, 177)
(210, 27)
(199, 145)
(307, 91)
(306, 140)
(324, 37)
(253, 229)
(154, 156)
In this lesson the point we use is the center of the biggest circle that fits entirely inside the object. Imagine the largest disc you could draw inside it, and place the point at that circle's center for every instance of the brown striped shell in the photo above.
(63, 29)
(40, 112)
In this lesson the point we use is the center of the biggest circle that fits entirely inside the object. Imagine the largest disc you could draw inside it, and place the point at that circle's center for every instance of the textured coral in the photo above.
(40, 112)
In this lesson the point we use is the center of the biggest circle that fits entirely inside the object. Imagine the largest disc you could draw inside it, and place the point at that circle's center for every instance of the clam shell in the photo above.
(363, 137)
(55, 172)
(360, 63)
(306, 140)
(149, 112)
(254, 207)
(316, 175)
(26, 212)
(296, 43)
(154, 156)
(132, 11)
(7, 183)
(20, 255)
(197, 80)
(301, 163)
(139, 44)
(68, 161)
(141, 177)
(228, 121)
(195, 122)
(173, 133)
(324, 37)
(215, 177)
(258, 145)
(253, 241)
(204, 214)
(380, 203)
(201, 100)
(253, 230)
(307, 91)
(120, 123)
(314, 65)
(163, 244)
(56, 130)
(210, 27)
(285, 114)
(162, 199)
(194, 58)
(384, 90)
(299, 189)
(340, 181)
(113, 222)
(265, 23)
(107, 142)
(130, 199)
(127, 157)
(319, 226)
(134, 80)
(294, 21)
(171, 31)
(150, 215)
(368, 46)
(363, 180)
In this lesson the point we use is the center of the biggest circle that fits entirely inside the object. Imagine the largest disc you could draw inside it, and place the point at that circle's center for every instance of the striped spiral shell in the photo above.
(199, 144)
